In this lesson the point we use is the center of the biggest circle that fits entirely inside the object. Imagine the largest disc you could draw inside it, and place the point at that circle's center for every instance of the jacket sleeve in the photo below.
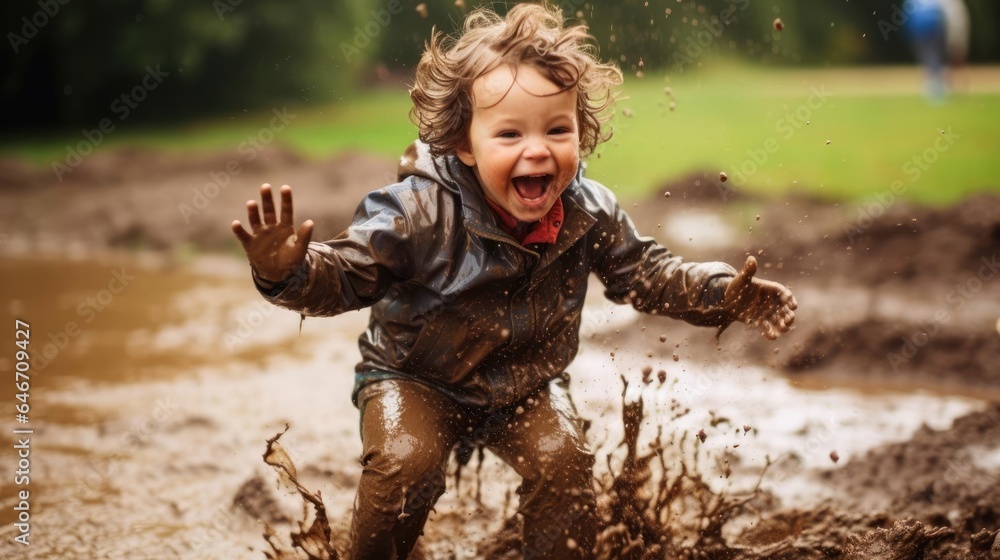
(354, 269)
(640, 271)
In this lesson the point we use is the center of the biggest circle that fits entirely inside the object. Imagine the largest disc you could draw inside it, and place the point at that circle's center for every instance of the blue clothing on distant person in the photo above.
(939, 31)
(926, 26)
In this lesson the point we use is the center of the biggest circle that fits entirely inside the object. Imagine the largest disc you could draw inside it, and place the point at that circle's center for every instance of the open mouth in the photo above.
(532, 187)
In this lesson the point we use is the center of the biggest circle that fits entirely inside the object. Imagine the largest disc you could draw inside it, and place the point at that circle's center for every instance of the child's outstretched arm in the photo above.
(275, 249)
(761, 304)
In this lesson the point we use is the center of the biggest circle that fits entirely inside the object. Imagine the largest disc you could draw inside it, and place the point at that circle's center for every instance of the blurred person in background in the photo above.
(939, 31)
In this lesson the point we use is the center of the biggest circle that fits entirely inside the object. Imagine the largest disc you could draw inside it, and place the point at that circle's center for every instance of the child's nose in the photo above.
(536, 149)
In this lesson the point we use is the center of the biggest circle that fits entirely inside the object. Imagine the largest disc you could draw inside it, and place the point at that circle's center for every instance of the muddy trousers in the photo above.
(408, 431)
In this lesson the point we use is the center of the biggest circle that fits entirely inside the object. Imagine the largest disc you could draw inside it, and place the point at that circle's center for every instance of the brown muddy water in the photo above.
(156, 382)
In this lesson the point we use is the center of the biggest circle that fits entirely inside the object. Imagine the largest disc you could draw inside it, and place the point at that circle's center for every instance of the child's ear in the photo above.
(464, 153)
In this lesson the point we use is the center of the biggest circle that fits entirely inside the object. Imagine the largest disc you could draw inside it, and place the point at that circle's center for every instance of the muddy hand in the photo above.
(275, 249)
(762, 304)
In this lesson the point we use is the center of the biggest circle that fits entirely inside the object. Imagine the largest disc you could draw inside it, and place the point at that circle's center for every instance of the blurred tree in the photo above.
(67, 61)
(818, 33)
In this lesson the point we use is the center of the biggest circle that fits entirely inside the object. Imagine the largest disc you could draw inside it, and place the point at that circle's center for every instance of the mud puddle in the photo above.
(146, 371)
(151, 419)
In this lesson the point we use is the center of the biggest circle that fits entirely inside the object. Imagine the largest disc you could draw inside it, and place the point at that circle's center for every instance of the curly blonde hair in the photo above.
(531, 34)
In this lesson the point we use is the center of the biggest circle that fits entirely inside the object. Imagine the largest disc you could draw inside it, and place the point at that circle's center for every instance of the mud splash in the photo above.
(314, 537)
(657, 504)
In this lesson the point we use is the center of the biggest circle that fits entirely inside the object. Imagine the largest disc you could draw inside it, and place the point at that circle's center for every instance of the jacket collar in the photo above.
(480, 220)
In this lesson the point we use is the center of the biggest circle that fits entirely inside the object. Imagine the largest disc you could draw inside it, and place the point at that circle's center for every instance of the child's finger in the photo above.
(769, 330)
(305, 232)
(267, 203)
(741, 283)
(253, 215)
(241, 233)
(782, 324)
(286, 206)
(789, 317)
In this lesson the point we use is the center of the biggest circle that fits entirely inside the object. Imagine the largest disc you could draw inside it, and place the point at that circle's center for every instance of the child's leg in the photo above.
(546, 446)
(407, 433)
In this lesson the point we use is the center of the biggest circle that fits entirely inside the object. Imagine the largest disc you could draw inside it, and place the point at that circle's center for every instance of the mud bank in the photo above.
(893, 293)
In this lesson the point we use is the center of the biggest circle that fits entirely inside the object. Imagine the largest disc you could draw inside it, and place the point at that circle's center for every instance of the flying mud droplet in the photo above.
(627, 113)
(666, 194)
(827, 142)
(663, 338)
(746, 428)
(723, 177)
(661, 376)
(676, 357)
(778, 24)
(834, 456)
(702, 436)
(647, 372)
(757, 217)
(422, 10)
(460, 4)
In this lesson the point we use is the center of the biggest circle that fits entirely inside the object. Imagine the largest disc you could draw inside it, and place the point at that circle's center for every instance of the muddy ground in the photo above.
(872, 430)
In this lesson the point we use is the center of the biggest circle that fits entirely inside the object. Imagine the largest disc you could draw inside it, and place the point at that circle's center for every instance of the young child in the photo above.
(475, 266)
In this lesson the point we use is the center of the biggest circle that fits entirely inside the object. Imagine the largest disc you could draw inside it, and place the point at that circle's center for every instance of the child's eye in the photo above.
(508, 134)
(560, 130)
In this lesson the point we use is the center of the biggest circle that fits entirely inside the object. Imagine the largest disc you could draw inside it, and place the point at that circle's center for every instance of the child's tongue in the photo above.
(530, 187)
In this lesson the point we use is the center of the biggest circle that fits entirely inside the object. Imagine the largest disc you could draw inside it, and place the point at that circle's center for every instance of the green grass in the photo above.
(876, 122)
(723, 121)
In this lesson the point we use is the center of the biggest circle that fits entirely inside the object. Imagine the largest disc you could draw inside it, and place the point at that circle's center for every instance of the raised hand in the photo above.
(761, 304)
(275, 249)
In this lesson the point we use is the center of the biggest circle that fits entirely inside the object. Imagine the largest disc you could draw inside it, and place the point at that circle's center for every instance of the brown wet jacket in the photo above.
(461, 306)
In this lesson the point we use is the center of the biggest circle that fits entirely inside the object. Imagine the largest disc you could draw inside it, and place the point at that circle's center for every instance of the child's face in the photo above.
(524, 140)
